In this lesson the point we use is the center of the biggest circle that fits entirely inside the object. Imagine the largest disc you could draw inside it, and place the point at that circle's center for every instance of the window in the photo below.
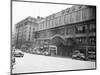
(61, 31)
(81, 40)
(92, 40)
(57, 20)
(92, 12)
(42, 25)
(29, 36)
(33, 29)
(47, 24)
(25, 23)
(81, 29)
(84, 14)
(92, 28)
(51, 23)
(72, 17)
(54, 22)
(38, 35)
(79, 15)
(66, 19)
(92, 49)
(70, 30)
(39, 27)
(62, 20)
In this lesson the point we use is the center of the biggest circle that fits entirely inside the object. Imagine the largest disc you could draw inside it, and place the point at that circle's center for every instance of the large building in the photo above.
(24, 32)
(69, 29)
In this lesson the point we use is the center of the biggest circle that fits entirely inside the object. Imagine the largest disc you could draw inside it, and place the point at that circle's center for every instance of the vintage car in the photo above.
(46, 50)
(78, 55)
(18, 53)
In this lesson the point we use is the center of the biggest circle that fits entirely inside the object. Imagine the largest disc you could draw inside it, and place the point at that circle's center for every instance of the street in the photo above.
(40, 63)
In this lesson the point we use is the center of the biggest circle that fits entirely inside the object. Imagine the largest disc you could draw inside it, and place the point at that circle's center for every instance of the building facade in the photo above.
(69, 29)
(24, 32)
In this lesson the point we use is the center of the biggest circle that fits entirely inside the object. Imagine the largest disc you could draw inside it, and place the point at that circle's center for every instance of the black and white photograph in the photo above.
(52, 37)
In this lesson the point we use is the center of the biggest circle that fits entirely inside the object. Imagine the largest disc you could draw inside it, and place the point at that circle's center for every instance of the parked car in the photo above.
(37, 50)
(18, 53)
(46, 53)
(77, 55)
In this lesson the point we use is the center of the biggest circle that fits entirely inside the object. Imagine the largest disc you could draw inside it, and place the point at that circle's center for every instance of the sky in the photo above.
(21, 10)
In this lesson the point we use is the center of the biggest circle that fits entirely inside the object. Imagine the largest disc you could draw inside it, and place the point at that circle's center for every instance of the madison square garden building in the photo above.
(71, 29)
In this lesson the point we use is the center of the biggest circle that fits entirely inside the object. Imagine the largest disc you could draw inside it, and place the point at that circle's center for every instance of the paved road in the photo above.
(40, 63)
